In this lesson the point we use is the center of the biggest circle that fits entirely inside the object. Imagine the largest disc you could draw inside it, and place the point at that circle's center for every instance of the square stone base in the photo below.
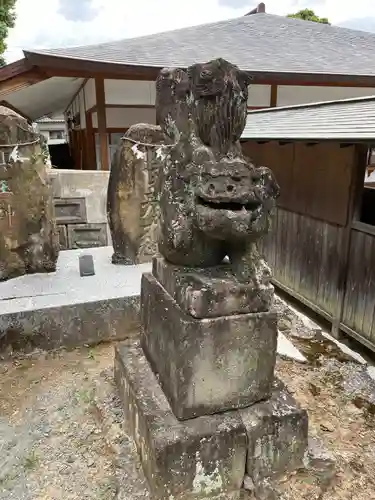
(212, 292)
(203, 458)
(206, 457)
(206, 366)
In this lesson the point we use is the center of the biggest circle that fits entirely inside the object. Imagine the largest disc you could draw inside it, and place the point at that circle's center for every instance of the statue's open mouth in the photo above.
(229, 205)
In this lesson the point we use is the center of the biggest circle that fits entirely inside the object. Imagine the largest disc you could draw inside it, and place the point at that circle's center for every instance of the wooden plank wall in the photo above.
(307, 247)
(314, 178)
(307, 243)
(304, 253)
(359, 303)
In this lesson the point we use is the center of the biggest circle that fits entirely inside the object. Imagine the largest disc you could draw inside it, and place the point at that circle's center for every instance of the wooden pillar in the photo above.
(90, 143)
(102, 122)
(273, 100)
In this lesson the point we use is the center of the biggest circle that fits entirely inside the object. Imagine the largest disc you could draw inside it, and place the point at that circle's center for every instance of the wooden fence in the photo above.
(320, 253)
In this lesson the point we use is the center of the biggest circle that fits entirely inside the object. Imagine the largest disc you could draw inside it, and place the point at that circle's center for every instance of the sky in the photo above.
(62, 23)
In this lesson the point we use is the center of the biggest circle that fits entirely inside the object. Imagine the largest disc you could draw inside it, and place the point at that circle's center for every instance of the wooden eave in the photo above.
(14, 69)
(70, 67)
(36, 67)
(18, 75)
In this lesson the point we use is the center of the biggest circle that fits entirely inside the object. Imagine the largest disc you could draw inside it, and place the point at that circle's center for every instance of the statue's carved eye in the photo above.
(206, 74)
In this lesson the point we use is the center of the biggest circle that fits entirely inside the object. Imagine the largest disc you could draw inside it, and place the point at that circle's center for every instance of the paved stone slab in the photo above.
(210, 365)
(277, 433)
(213, 291)
(65, 286)
(63, 308)
(345, 349)
(287, 349)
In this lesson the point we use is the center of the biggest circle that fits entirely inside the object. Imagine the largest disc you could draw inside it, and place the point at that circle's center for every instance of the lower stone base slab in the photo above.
(196, 459)
(277, 435)
(205, 457)
(48, 311)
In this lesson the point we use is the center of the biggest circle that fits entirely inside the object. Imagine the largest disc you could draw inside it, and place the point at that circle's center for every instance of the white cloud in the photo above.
(40, 23)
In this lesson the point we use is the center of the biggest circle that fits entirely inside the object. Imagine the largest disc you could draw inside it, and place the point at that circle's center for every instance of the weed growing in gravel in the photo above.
(31, 461)
(85, 396)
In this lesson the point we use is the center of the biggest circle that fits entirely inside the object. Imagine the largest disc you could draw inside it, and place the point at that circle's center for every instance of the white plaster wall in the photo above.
(288, 95)
(259, 95)
(125, 117)
(90, 95)
(129, 92)
(143, 93)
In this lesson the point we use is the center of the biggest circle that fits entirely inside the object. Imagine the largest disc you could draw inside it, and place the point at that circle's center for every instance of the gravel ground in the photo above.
(340, 399)
(62, 434)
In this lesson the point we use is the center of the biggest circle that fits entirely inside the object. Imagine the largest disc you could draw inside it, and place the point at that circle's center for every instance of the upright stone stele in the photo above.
(131, 208)
(199, 392)
(28, 236)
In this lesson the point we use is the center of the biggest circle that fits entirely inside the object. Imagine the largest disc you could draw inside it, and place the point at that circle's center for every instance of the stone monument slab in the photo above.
(209, 365)
(131, 207)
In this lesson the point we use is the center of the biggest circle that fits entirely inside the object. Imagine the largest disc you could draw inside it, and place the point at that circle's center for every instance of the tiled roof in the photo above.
(47, 119)
(347, 119)
(4, 111)
(260, 42)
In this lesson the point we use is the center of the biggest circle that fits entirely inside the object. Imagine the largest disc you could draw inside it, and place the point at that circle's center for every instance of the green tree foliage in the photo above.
(7, 20)
(309, 15)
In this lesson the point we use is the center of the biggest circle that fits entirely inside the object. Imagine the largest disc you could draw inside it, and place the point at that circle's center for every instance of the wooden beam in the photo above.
(130, 106)
(114, 130)
(90, 143)
(102, 122)
(253, 108)
(273, 99)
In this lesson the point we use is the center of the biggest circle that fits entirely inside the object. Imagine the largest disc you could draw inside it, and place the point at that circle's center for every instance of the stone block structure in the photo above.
(199, 390)
(28, 236)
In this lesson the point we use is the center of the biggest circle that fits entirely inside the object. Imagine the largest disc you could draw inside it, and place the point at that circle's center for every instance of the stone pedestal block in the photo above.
(277, 435)
(212, 292)
(210, 365)
(203, 458)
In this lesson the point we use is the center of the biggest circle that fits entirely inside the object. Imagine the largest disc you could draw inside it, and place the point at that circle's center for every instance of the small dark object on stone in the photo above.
(86, 265)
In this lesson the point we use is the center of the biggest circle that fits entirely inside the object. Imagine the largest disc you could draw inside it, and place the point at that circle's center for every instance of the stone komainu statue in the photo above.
(213, 201)
(28, 236)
